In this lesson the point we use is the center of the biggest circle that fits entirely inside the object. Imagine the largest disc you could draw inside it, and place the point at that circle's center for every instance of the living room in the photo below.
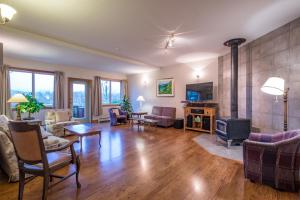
(190, 100)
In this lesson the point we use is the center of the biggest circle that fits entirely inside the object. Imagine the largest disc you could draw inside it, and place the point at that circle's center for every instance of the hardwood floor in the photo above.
(161, 164)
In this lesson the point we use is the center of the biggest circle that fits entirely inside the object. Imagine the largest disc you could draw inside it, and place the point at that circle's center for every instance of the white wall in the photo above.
(145, 84)
(74, 72)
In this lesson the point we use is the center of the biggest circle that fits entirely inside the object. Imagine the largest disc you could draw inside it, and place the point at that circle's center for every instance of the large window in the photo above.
(111, 92)
(41, 85)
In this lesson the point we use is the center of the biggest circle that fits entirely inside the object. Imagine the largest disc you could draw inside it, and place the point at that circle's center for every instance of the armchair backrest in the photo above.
(27, 141)
(276, 137)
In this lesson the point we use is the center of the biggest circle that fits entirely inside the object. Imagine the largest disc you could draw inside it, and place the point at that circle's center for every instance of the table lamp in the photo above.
(141, 100)
(275, 86)
(18, 98)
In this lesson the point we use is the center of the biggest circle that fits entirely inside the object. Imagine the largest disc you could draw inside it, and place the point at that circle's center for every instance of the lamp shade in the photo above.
(140, 98)
(7, 12)
(274, 86)
(17, 98)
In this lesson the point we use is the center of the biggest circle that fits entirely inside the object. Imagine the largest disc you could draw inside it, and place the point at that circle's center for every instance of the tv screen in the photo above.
(199, 92)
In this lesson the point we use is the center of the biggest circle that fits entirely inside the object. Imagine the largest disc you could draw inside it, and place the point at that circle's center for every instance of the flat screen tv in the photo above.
(199, 92)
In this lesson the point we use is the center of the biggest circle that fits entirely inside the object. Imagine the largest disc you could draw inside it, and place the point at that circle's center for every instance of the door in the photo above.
(80, 99)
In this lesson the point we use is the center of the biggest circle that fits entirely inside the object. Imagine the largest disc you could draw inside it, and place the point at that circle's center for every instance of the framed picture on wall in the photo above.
(165, 87)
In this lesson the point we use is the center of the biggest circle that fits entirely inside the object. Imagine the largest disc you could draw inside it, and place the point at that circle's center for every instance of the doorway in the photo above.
(79, 99)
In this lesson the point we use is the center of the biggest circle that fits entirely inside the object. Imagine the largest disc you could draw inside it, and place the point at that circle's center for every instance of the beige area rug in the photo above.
(219, 148)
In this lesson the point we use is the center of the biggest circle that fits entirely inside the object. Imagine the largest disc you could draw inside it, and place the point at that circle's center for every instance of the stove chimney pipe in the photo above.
(234, 43)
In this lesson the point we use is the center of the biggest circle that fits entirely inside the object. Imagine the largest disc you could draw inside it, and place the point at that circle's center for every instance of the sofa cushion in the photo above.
(151, 116)
(164, 117)
(62, 116)
(156, 110)
(169, 111)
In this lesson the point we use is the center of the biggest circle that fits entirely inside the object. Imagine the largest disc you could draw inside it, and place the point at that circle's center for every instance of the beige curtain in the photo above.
(4, 91)
(97, 97)
(124, 88)
(59, 90)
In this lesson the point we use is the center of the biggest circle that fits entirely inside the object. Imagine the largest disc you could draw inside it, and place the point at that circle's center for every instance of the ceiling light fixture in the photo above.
(170, 41)
(6, 13)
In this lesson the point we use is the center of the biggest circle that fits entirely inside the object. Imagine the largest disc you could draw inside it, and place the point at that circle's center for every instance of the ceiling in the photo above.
(128, 36)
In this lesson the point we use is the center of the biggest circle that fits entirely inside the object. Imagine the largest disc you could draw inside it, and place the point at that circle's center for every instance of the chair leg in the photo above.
(21, 184)
(77, 172)
(46, 186)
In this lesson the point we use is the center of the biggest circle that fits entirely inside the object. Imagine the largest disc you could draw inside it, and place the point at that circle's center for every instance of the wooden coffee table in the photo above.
(85, 129)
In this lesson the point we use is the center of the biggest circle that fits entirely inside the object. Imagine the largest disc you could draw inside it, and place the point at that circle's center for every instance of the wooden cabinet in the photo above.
(207, 117)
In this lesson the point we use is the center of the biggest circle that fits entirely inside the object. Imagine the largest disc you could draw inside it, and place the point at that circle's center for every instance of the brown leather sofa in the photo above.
(165, 115)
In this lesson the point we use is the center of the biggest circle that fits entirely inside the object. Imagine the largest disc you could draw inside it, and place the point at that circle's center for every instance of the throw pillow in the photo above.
(116, 111)
(44, 133)
(4, 124)
(62, 116)
(50, 115)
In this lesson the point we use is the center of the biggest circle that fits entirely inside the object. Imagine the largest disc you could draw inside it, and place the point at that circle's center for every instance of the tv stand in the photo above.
(207, 114)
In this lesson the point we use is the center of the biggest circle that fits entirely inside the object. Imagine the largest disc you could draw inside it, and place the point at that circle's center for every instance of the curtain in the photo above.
(59, 90)
(97, 97)
(4, 91)
(124, 88)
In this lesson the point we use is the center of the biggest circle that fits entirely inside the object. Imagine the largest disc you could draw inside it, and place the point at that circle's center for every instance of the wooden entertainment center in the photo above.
(200, 117)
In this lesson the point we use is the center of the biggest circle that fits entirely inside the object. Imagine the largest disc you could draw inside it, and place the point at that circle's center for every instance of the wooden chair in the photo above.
(35, 160)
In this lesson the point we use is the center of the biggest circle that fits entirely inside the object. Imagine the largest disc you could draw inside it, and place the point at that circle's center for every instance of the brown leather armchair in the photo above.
(33, 159)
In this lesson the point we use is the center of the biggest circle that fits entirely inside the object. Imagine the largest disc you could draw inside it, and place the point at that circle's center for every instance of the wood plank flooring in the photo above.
(161, 164)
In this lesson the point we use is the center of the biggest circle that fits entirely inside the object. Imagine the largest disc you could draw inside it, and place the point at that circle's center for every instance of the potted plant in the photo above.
(197, 122)
(32, 106)
(126, 105)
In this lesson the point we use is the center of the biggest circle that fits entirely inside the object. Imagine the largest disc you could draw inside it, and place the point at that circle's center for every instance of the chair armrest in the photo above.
(49, 121)
(70, 144)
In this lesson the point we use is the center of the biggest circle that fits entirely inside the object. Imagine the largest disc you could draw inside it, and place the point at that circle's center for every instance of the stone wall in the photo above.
(274, 54)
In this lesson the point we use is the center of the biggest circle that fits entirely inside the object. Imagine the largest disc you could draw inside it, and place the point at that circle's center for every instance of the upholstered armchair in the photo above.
(273, 159)
(56, 120)
(8, 159)
(117, 116)
(34, 159)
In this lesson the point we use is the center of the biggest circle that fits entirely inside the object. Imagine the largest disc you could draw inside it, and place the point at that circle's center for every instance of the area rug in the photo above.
(219, 148)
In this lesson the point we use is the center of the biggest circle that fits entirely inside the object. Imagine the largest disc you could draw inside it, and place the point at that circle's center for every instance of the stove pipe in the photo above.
(234, 44)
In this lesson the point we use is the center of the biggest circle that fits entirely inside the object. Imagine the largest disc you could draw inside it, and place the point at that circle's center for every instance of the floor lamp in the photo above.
(275, 86)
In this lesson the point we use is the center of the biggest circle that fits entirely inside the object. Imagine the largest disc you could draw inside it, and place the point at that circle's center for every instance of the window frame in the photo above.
(110, 80)
(33, 72)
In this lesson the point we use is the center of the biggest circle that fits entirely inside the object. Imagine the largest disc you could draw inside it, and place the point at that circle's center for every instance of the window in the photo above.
(111, 92)
(41, 85)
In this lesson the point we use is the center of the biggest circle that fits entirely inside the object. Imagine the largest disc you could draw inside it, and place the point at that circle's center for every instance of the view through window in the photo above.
(111, 92)
(40, 85)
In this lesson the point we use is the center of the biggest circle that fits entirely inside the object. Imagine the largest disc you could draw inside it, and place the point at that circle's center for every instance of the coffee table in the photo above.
(138, 114)
(151, 122)
(143, 122)
(85, 129)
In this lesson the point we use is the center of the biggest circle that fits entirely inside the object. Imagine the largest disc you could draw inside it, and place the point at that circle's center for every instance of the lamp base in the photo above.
(18, 118)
